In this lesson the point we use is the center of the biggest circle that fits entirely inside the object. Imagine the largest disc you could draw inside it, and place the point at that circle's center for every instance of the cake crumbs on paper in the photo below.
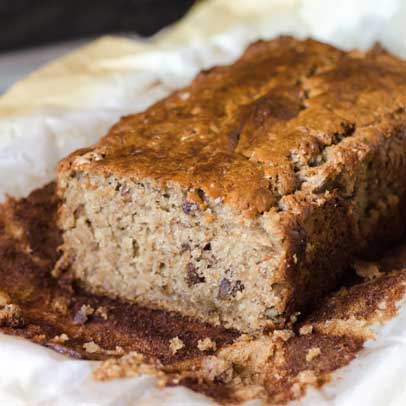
(294, 317)
(130, 365)
(82, 315)
(304, 378)
(61, 339)
(87, 310)
(307, 377)
(284, 335)
(61, 304)
(296, 390)
(306, 329)
(117, 351)
(175, 344)
(101, 311)
(206, 345)
(91, 347)
(215, 368)
(367, 270)
(313, 353)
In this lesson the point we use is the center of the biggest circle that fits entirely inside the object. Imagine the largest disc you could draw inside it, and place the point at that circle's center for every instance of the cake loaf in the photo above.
(243, 197)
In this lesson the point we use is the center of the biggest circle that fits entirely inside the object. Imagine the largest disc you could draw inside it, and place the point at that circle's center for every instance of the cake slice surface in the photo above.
(243, 197)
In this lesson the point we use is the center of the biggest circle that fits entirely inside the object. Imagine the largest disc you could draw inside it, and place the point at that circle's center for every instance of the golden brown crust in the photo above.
(255, 131)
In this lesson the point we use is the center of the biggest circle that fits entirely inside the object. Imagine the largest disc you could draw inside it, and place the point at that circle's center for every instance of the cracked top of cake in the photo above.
(262, 128)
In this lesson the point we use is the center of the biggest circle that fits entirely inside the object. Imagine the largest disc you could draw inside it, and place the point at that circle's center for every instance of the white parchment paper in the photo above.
(73, 101)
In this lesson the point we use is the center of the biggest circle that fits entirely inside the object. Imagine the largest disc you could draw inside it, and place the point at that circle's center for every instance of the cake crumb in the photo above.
(294, 317)
(61, 304)
(117, 351)
(306, 329)
(91, 347)
(367, 270)
(101, 311)
(176, 344)
(61, 339)
(313, 353)
(82, 316)
(206, 345)
(130, 365)
(307, 377)
(217, 369)
(284, 335)
(40, 338)
(296, 390)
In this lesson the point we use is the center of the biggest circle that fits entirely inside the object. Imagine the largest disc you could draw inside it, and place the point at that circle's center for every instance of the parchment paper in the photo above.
(73, 101)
